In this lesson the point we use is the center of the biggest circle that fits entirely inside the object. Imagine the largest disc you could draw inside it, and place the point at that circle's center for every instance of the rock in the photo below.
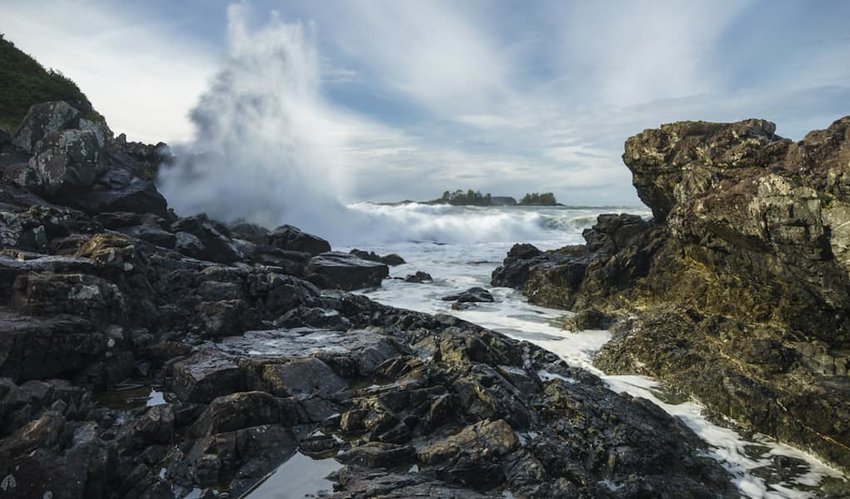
(392, 259)
(336, 270)
(419, 277)
(313, 317)
(40, 348)
(378, 455)
(250, 232)
(309, 376)
(738, 290)
(214, 238)
(120, 190)
(471, 295)
(42, 120)
(513, 273)
(65, 164)
(287, 237)
(244, 410)
(205, 376)
(588, 318)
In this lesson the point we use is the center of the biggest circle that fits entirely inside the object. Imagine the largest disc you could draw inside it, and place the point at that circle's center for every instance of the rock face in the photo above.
(740, 285)
(252, 363)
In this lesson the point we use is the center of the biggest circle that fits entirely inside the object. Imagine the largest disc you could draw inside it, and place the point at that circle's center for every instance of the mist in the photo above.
(264, 148)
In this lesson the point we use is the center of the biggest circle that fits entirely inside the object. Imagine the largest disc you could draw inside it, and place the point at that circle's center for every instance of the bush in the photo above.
(24, 82)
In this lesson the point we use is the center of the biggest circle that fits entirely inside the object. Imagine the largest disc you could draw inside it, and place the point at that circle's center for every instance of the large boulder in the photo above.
(120, 190)
(66, 163)
(288, 237)
(338, 270)
(42, 120)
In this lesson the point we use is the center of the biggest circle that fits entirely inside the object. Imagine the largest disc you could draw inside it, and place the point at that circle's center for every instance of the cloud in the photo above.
(138, 71)
(422, 96)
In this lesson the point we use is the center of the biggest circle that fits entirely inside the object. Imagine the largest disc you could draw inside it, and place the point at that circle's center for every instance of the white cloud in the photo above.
(143, 75)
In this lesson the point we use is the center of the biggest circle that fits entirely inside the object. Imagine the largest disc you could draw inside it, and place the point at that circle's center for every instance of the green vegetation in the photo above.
(468, 198)
(24, 82)
(476, 198)
(539, 199)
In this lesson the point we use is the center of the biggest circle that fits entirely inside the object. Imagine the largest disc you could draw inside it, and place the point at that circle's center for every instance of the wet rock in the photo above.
(378, 455)
(471, 295)
(40, 348)
(205, 376)
(588, 318)
(314, 318)
(336, 270)
(287, 237)
(120, 190)
(392, 259)
(419, 277)
(250, 232)
(244, 410)
(309, 376)
(210, 240)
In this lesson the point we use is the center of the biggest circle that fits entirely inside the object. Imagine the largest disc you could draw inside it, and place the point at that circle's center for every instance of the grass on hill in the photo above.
(24, 82)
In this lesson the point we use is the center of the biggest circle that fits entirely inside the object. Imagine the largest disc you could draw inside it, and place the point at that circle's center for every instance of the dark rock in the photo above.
(588, 318)
(287, 237)
(419, 277)
(379, 455)
(120, 190)
(244, 410)
(314, 318)
(210, 240)
(206, 376)
(336, 270)
(41, 120)
(392, 259)
(250, 232)
(308, 376)
(471, 295)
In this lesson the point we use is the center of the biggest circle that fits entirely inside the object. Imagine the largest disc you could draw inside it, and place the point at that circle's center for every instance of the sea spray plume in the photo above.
(265, 147)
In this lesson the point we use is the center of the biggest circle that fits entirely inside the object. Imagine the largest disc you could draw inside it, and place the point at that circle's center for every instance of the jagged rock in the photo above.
(120, 190)
(419, 277)
(250, 232)
(242, 410)
(392, 259)
(313, 317)
(740, 287)
(65, 164)
(337, 270)
(589, 318)
(40, 121)
(302, 377)
(471, 295)
(205, 376)
(287, 237)
(210, 240)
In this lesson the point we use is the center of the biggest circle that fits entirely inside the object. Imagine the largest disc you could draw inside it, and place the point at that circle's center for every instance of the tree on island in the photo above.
(538, 199)
(470, 197)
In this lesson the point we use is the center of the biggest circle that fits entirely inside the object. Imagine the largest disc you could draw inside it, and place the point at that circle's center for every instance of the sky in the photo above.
(417, 97)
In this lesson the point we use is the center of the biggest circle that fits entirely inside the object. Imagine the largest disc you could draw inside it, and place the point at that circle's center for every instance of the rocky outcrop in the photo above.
(147, 355)
(740, 286)
(345, 271)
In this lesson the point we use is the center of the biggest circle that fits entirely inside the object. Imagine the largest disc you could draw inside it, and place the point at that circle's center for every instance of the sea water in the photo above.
(461, 246)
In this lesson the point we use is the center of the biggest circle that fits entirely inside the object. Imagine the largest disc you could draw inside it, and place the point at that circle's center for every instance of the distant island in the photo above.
(476, 198)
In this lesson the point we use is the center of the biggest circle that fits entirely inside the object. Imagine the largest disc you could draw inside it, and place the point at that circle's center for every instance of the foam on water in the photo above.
(460, 265)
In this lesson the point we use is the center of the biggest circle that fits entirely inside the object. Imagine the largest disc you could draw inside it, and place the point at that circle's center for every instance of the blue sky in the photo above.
(502, 96)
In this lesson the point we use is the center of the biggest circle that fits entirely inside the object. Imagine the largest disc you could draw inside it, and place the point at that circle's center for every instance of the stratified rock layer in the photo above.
(740, 284)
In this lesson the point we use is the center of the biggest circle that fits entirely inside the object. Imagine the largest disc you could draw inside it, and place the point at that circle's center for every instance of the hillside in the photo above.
(24, 82)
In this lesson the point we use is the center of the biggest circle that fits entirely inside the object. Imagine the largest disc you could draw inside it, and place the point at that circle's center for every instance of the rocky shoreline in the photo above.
(256, 353)
(737, 292)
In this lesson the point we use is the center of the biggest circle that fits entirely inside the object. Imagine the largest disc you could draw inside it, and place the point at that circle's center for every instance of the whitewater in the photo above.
(461, 246)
